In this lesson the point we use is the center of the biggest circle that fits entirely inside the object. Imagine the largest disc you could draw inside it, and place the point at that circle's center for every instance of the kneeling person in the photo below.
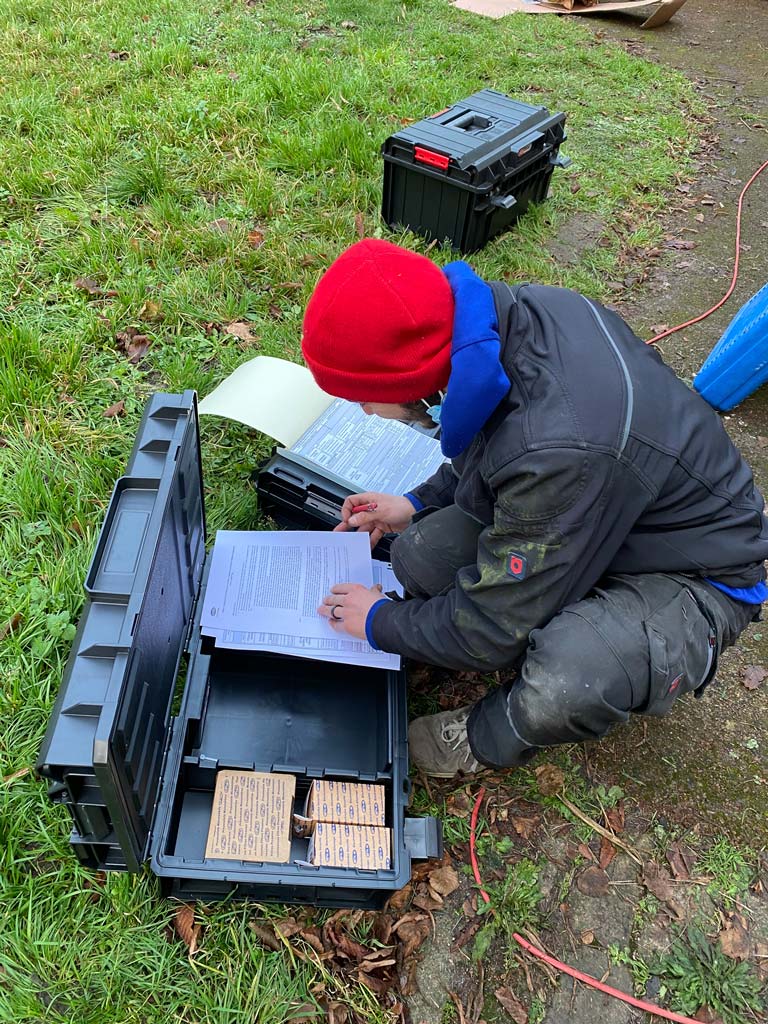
(595, 529)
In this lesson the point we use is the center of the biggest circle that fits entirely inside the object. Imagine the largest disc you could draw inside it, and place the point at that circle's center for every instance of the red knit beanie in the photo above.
(378, 325)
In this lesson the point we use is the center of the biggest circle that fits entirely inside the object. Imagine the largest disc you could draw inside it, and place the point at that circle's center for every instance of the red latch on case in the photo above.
(426, 156)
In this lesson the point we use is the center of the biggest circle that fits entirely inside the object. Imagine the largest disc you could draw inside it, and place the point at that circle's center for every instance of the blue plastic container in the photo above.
(738, 364)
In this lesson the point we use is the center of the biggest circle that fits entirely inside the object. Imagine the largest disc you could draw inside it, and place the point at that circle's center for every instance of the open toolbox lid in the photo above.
(482, 136)
(105, 742)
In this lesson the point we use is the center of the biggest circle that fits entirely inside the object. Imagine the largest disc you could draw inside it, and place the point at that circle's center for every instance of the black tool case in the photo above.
(467, 173)
(145, 717)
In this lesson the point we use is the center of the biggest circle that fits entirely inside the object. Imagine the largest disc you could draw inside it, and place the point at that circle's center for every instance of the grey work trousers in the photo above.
(635, 643)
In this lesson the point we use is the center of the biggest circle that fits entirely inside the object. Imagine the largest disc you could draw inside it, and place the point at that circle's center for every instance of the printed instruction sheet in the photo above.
(264, 589)
(370, 453)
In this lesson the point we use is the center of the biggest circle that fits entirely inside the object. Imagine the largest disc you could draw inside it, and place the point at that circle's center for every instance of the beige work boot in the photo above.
(439, 746)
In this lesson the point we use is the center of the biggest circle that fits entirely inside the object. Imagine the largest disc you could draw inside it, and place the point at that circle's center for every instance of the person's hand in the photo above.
(347, 607)
(392, 514)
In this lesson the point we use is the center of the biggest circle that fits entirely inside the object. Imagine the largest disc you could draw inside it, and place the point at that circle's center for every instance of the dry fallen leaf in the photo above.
(444, 881)
(412, 930)
(359, 226)
(587, 937)
(658, 881)
(734, 938)
(256, 238)
(186, 929)
(512, 1005)
(265, 936)
(150, 311)
(11, 625)
(241, 330)
(593, 881)
(94, 289)
(133, 344)
(550, 779)
(681, 859)
(459, 804)
(221, 226)
(753, 676)
(399, 900)
(607, 852)
(118, 409)
(525, 827)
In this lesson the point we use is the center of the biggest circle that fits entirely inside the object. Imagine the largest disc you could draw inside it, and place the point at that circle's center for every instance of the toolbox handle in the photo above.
(470, 122)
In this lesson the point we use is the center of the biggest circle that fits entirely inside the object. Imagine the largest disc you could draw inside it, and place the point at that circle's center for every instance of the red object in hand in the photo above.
(370, 507)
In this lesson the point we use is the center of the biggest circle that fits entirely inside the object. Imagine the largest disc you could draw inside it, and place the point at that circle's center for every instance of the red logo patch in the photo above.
(517, 566)
(675, 683)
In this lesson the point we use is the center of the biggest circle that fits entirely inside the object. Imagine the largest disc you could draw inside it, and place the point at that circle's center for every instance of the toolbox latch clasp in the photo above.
(427, 156)
(424, 838)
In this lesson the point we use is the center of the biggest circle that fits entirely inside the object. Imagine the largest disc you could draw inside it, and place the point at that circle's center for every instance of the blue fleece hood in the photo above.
(477, 382)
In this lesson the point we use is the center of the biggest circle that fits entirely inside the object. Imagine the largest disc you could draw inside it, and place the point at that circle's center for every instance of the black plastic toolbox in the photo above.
(468, 172)
(146, 717)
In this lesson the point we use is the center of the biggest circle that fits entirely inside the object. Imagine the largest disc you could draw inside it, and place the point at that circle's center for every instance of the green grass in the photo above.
(126, 130)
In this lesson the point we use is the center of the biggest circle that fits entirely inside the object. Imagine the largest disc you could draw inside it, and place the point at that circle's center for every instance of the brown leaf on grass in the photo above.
(337, 1013)
(359, 226)
(118, 409)
(607, 852)
(550, 779)
(658, 329)
(312, 937)
(94, 289)
(707, 1016)
(512, 1005)
(11, 625)
(132, 344)
(444, 881)
(185, 927)
(256, 238)
(459, 804)
(221, 226)
(657, 880)
(302, 1013)
(265, 936)
(681, 859)
(593, 882)
(734, 938)
(241, 330)
(753, 676)
(151, 311)
(525, 827)
(287, 927)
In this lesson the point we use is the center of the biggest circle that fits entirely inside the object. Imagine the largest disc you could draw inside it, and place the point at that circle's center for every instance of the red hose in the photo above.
(698, 319)
(586, 979)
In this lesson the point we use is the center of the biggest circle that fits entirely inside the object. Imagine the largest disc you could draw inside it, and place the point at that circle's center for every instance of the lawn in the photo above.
(168, 169)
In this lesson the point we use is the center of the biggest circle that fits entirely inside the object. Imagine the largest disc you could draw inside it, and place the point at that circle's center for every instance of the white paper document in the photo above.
(370, 453)
(264, 589)
(275, 396)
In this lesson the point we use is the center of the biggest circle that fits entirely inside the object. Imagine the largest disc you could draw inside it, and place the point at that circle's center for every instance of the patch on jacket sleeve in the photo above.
(517, 565)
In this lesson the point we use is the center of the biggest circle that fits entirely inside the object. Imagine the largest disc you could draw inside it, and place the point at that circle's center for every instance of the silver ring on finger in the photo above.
(334, 616)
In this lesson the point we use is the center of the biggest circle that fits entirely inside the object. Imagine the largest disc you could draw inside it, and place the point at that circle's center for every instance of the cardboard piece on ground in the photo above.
(367, 847)
(251, 817)
(348, 803)
(500, 8)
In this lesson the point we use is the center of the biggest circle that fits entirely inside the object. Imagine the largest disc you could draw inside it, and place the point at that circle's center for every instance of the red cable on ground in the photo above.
(586, 979)
(698, 319)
